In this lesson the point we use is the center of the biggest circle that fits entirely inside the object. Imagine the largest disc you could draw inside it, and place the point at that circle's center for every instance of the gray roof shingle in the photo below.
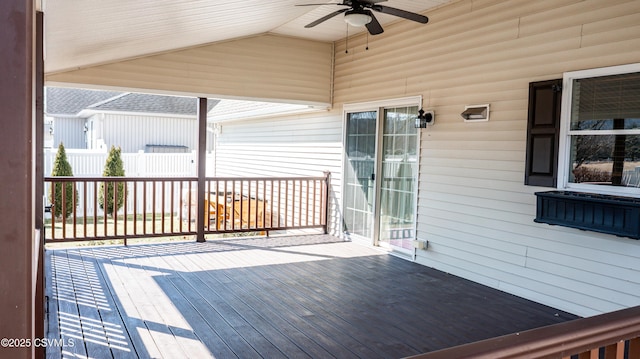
(137, 102)
(70, 101)
(67, 101)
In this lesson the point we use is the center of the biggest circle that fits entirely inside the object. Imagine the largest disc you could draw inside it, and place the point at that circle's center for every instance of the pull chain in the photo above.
(367, 48)
(346, 41)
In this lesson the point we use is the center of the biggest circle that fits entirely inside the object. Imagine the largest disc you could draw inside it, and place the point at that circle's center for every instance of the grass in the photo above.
(607, 165)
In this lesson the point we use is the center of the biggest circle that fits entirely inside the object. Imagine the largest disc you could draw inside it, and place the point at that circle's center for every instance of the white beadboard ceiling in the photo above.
(82, 33)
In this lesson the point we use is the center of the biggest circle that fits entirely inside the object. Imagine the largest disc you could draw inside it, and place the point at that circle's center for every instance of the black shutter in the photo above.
(543, 133)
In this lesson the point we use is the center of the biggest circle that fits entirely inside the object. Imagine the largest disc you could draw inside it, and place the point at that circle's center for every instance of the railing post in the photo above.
(202, 169)
(327, 186)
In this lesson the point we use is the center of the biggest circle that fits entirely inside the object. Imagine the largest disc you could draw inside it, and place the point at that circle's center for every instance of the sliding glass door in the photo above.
(398, 179)
(381, 171)
(360, 164)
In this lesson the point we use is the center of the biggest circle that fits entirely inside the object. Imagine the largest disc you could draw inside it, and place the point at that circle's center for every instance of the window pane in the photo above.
(608, 160)
(606, 103)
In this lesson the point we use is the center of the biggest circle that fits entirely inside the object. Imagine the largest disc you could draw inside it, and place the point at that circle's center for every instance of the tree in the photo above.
(62, 167)
(112, 168)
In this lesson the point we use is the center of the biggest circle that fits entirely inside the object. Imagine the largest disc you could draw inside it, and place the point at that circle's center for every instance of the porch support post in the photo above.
(39, 181)
(202, 165)
(17, 218)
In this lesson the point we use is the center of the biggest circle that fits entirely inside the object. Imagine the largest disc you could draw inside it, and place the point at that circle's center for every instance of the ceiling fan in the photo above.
(358, 13)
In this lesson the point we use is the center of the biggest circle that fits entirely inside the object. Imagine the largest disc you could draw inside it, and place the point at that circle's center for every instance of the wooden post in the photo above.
(17, 219)
(202, 167)
(39, 329)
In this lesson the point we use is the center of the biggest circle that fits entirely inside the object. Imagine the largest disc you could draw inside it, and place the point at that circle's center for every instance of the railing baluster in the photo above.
(255, 205)
(84, 209)
(306, 216)
(153, 207)
(95, 209)
(299, 201)
(225, 207)
(279, 202)
(125, 187)
(272, 184)
(144, 207)
(63, 209)
(105, 198)
(74, 202)
(135, 208)
(53, 210)
(617, 351)
(162, 205)
(180, 214)
(172, 206)
(189, 205)
(217, 206)
(634, 348)
(286, 203)
(242, 214)
(116, 185)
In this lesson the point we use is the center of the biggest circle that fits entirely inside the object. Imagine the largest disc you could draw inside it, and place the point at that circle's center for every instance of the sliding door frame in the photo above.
(378, 106)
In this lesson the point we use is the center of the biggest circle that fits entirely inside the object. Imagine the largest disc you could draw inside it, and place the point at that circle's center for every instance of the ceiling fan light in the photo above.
(357, 19)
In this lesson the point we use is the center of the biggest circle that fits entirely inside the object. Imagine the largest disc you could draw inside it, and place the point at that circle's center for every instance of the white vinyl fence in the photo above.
(90, 163)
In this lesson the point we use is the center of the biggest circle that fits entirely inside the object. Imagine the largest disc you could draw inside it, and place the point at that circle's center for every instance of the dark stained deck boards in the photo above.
(279, 297)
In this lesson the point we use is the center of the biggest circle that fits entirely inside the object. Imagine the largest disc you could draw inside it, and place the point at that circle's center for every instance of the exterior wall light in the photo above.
(424, 118)
(473, 113)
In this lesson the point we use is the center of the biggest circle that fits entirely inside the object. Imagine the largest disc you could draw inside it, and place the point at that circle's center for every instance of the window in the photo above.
(600, 131)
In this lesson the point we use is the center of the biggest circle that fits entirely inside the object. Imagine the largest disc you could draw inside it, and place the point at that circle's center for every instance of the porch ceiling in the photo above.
(85, 33)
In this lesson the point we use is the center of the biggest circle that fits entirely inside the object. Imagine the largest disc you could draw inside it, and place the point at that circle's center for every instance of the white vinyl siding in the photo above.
(266, 67)
(305, 145)
(133, 132)
(284, 146)
(473, 207)
(69, 131)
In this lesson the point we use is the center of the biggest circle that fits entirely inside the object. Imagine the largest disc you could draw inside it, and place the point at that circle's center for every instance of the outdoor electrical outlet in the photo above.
(418, 244)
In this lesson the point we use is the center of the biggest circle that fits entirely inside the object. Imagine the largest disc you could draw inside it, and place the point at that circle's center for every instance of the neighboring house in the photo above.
(93, 119)
(63, 121)
(545, 68)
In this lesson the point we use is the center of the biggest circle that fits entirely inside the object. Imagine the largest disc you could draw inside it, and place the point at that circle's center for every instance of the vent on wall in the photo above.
(475, 113)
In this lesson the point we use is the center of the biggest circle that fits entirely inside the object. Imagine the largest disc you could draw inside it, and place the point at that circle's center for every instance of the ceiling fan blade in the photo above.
(401, 13)
(325, 18)
(374, 26)
(326, 3)
(346, 3)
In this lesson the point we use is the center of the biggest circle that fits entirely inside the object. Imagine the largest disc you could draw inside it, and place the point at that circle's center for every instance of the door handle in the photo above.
(373, 176)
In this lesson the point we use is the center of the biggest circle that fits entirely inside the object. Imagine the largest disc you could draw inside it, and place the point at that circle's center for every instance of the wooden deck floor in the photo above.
(289, 297)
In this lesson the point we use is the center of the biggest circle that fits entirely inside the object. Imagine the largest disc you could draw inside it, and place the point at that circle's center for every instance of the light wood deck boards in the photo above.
(296, 297)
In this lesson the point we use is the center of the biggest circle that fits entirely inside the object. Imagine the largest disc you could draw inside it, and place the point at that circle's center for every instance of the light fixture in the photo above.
(424, 118)
(357, 17)
(473, 113)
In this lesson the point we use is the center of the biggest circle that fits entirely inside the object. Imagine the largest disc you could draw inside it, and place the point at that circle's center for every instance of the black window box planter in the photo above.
(590, 211)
